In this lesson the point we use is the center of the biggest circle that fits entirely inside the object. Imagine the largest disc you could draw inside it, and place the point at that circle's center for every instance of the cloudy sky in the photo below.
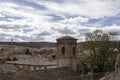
(46, 20)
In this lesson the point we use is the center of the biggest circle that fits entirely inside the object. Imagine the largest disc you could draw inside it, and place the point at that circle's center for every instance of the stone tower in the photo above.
(66, 52)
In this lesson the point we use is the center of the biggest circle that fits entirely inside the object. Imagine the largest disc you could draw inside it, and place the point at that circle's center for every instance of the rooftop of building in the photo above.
(115, 75)
(63, 73)
(66, 37)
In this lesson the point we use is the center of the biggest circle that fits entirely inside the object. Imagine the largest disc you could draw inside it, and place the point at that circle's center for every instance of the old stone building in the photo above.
(66, 52)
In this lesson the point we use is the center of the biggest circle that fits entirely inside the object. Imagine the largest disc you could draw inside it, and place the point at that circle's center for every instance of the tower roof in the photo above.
(66, 37)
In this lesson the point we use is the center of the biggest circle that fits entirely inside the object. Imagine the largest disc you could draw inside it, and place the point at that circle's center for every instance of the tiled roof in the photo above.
(56, 74)
(49, 74)
(112, 76)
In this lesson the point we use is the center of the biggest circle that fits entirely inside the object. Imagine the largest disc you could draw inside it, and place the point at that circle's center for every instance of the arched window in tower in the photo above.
(74, 51)
(63, 50)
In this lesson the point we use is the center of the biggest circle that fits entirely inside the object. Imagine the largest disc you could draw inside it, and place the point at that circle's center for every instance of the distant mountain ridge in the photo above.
(31, 44)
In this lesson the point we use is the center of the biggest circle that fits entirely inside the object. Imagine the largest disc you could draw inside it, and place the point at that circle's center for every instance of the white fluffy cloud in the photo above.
(88, 8)
(27, 23)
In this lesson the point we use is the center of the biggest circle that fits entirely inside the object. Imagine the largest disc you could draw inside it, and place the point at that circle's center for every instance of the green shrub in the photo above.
(27, 52)
(8, 59)
(14, 59)
(11, 59)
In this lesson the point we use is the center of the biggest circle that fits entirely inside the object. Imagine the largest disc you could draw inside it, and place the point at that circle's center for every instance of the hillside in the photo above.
(30, 44)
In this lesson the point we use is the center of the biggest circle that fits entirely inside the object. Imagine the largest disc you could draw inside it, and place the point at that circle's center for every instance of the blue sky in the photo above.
(46, 20)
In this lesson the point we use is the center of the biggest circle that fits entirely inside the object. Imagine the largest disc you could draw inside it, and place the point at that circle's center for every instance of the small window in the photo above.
(63, 50)
(74, 51)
